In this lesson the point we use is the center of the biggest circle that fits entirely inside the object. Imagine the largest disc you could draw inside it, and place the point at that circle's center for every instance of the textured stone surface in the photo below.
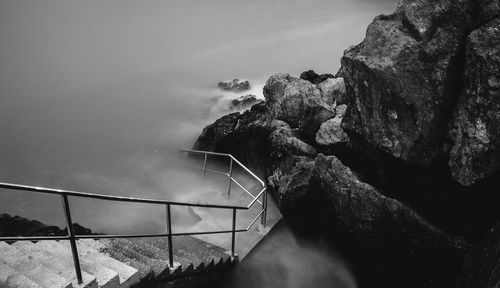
(476, 153)
(331, 132)
(333, 91)
(297, 102)
(399, 79)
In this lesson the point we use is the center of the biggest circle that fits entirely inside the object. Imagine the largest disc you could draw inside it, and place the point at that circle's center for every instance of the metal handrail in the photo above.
(72, 237)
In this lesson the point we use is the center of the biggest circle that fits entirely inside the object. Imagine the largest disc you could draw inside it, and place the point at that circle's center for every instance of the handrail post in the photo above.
(205, 165)
(72, 239)
(169, 231)
(264, 207)
(233, 235)
(230, 177)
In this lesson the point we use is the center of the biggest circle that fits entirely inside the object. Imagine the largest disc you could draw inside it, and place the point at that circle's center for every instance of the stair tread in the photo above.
(106, 277)
(144, 271)
(31, 268)
(195, 250)
(127, 274)
(131, 250)
(64, 268)
(11, 278)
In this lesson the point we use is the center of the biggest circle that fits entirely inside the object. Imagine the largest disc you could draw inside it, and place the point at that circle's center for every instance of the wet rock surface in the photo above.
(244, 102)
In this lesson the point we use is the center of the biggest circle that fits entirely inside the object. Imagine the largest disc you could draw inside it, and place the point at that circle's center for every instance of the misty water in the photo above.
(99, 96)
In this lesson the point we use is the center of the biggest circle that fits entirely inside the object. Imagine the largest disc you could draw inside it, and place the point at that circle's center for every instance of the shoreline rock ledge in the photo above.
(396, 159)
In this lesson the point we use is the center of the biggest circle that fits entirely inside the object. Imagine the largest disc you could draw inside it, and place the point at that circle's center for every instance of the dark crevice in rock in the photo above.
(412, 30)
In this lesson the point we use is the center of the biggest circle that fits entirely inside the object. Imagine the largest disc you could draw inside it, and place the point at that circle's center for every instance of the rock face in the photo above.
(234, 85)
(412, 167)
(476, 153)
(400, 79)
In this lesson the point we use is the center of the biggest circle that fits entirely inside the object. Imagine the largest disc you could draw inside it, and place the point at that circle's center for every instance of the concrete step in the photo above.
(133, 251)
(10, 278)
(32, 269)
(128, 275)
(106, 278)
(64, 268)
(195, 251)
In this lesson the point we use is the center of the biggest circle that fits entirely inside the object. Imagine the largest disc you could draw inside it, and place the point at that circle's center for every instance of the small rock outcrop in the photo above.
(314, 78)
(244, 102)
(236, 85)
(11, 226)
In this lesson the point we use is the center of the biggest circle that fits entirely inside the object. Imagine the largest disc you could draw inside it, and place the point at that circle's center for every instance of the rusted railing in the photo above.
(72, 237)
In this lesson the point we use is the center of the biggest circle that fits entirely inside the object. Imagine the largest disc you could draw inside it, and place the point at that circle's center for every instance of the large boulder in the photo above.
(401, 80)
(297, 102)
(476, 133)
(326, 195)
(253, 137)
(331, 132)
(333, 91)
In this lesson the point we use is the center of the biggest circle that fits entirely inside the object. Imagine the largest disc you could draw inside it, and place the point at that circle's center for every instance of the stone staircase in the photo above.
(109, 263)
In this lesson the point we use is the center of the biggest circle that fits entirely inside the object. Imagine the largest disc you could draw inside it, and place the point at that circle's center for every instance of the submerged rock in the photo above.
(236, 85)
(244, 102)
(476, 152)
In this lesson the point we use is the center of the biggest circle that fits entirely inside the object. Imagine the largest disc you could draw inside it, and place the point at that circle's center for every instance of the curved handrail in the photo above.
(72, 237)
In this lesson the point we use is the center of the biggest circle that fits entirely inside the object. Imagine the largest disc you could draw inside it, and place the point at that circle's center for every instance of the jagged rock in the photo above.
(331, 132)
(234, 85)
(348, 208)
(369, 216)
(290, 187)
(244, 102)
(215, 133)
(401, 81)
(11, 226)
(333, 91)
(297, 102)
(253, 137)
(476, 153)
(314, 78)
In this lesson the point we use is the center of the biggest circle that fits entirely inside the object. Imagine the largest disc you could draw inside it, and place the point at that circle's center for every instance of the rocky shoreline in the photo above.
(396, 158)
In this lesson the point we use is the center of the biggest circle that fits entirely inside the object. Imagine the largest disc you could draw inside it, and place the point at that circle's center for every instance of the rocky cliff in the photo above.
(397, 159)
